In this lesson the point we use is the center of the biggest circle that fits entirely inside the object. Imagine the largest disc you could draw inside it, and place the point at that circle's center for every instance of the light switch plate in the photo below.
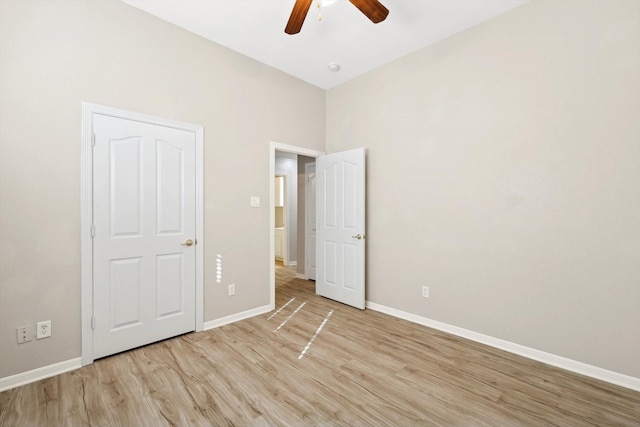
(255, 201)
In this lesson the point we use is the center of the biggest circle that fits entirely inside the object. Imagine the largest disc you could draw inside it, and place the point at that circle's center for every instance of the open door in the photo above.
(340, 219)
(310, 220)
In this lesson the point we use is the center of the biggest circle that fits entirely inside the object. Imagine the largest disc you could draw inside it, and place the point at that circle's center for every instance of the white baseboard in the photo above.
(301, 276)
(541, 356)
(616, 378)
(237, 317)
(292, 263)
(38, 374)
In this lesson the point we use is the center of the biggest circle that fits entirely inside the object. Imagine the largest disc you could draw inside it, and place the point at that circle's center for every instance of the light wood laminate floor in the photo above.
(360, 368)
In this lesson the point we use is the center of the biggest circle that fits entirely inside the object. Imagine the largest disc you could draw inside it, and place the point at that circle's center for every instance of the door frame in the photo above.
(277, 146)
(86, 214)
(285, 243)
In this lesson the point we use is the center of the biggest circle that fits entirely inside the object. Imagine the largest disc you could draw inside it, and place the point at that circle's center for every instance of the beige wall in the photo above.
(504, 173)
(53, 56)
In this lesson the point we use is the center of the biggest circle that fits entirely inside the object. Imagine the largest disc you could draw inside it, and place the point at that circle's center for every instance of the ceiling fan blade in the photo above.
(373, 9)
(299, 12)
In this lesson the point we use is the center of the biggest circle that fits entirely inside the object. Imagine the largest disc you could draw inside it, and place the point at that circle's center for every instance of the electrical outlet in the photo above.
(425, 292)
(232, 290)
(43, 329)
(24, 333)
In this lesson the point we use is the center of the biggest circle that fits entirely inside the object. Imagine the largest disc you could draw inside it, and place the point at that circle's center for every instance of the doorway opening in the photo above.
(287, 160)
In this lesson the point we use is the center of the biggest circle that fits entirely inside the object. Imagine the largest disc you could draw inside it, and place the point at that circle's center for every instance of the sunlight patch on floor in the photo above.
(326, 319)
(289, 318)
(281, 308)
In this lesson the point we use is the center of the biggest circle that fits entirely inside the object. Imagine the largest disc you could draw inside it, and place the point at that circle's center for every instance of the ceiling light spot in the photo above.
(333, 67)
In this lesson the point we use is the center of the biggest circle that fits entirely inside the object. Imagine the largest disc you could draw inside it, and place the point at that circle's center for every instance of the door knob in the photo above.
(187, 243)
(358, 236)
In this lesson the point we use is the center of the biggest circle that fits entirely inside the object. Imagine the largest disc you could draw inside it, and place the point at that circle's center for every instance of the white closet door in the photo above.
(144, 217)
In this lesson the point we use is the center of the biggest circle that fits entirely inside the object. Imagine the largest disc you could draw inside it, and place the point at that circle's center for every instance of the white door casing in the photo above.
(340, 207)
(310, 220)
(283, 232)
(279, 243)
(147, 203)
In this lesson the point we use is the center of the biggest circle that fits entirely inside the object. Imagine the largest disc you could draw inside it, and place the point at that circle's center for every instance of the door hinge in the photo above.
(93, 231)
(93, 322)
(93, 139)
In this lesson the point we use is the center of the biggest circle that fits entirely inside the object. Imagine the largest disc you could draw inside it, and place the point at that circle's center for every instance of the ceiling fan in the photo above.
(373, 9)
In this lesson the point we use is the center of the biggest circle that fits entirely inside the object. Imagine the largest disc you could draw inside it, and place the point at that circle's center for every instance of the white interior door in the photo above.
(144, 217)
(310, 220)
(340, 247)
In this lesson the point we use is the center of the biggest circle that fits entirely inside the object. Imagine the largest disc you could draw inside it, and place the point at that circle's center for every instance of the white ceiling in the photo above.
(345, 36)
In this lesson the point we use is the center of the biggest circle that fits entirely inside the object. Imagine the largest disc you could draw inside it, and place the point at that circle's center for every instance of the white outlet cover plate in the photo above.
(25, 334)
(43, 329)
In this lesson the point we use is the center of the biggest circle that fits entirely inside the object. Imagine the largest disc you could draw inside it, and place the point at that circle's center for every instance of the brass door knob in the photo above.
(358, 236)
(187, 243)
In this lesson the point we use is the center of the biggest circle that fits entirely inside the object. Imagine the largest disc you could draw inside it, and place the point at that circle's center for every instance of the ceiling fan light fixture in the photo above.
(372, 9)
(333, 67)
